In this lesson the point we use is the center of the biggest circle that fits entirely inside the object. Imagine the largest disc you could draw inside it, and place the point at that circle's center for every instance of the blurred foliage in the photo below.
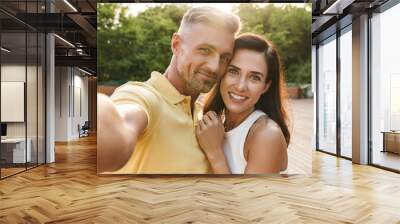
(130, 47)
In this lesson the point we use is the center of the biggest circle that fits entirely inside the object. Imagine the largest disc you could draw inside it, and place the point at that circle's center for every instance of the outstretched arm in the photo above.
(119, 127)
(266, 147)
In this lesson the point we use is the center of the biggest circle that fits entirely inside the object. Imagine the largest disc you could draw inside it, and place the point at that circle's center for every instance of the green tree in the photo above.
(130, 47)
(289, 28)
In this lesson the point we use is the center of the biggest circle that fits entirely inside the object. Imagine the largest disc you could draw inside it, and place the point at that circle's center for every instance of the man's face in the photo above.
(202, 53)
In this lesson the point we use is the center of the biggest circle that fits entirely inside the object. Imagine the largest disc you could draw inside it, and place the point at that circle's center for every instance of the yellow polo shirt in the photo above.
(168, 144)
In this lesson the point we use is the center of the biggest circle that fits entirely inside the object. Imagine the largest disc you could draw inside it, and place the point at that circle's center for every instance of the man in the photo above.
(150, 127)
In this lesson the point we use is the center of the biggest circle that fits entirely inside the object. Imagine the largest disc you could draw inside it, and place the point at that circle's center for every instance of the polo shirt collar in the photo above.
(165, 88)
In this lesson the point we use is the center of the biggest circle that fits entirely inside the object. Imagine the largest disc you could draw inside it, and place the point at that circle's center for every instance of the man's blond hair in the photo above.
(211, 16)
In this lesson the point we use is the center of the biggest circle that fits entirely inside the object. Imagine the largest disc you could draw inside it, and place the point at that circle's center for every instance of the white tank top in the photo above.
(234, 143)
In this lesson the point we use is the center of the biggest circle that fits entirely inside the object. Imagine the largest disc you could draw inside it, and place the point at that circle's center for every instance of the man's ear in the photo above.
(267, 85)
(175, 43)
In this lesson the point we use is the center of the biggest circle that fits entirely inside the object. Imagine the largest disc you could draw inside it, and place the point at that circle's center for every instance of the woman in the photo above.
(245, 125)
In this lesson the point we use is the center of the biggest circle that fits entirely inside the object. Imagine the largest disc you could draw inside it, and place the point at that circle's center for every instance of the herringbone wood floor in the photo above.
(69, 191)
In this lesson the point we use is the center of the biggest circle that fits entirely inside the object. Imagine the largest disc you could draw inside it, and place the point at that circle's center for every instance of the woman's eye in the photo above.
(255, 78)
(233, 71)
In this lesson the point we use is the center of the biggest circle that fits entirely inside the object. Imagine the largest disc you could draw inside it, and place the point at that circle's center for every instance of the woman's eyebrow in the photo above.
(235, 67)
(257, 73)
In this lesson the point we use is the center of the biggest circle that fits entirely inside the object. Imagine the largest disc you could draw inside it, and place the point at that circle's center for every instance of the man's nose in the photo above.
(213, 64)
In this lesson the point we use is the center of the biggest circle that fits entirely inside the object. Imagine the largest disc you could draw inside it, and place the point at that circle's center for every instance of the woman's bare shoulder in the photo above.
(266, 130)
(266, 151)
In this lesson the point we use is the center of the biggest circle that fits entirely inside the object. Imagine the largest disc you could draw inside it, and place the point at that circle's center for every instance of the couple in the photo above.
(156, 127)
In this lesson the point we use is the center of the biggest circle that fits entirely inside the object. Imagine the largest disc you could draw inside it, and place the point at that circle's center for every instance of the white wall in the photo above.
(71, 94)
(62, 81)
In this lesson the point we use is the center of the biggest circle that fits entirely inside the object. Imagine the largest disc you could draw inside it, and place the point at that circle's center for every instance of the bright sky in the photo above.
(135, 8)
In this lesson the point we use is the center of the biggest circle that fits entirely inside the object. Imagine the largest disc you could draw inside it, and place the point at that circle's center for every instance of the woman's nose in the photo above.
(241, 85)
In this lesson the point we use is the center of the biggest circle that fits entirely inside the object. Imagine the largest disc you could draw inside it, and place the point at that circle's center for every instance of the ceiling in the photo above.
(74, 22)
(330, 15)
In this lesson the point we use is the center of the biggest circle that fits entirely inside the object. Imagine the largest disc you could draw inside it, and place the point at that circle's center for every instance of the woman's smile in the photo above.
(236, 97)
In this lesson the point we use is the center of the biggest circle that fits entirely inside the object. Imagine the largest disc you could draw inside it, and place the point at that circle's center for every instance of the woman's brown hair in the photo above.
(273, 101)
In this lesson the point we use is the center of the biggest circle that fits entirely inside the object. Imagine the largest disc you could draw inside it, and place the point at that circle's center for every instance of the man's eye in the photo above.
(205, 50)
(225, 59)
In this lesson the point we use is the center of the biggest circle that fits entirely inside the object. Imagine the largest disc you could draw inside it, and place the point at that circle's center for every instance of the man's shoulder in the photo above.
(137, 92)
(135, 87)
(132, 85)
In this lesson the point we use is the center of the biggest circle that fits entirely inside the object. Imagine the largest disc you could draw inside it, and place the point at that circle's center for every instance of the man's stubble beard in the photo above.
(199, 86)
(194, 86)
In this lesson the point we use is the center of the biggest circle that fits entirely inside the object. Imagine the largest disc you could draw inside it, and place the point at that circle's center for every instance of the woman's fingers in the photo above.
(210, 119)
(211, 113)
(202, 125)
(212, 116)
(207, 120)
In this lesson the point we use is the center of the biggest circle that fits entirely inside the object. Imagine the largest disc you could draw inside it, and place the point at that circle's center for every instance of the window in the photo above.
(346, 75)
(385, 88)
(22, 76)
(327, 95)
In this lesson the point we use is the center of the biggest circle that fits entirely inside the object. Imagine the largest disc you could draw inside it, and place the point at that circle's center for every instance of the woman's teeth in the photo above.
(236, 97)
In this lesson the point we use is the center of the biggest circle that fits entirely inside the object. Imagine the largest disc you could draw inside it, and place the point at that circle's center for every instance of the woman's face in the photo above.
(245, 81)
